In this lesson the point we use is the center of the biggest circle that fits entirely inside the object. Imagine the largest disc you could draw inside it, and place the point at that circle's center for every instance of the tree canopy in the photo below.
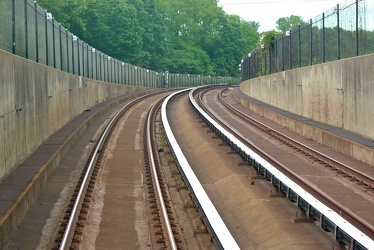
(194, 36)
(286, 23)
(283, 24)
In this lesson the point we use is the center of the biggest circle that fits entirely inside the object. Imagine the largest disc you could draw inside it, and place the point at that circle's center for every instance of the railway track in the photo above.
(166, 233)
(268, 172)
(170, 232)
(71, 229)
(314, 155)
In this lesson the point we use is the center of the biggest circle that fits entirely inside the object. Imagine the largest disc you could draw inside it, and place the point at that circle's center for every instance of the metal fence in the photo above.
(342, 32)
(29, 31)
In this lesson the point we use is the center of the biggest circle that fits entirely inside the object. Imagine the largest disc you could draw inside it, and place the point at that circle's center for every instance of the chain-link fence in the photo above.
(342, 32)
(29, 31)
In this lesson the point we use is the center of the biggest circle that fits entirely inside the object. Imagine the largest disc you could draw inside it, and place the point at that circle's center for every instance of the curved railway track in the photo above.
(165, 231)
(306, 151)
(335, 165)
(158, 190)
(327, 161)
(161, 226)
(71, 230)
(358, 222)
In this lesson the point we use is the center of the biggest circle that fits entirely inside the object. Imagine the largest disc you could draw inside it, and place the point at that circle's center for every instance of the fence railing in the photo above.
(342, 32)
(29, 31)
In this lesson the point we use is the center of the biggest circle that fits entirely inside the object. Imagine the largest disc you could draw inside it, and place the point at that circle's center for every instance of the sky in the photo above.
(267, 12)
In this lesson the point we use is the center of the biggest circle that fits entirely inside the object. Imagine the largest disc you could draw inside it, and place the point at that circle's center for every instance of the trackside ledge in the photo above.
(221, 235)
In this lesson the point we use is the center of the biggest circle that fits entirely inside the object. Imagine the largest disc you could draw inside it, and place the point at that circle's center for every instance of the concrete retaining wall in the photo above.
(36, 101)
(355, 150)
(339, 93)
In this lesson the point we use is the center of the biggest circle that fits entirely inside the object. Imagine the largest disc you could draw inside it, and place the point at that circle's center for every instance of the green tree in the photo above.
(268, 37)
(70, 13)
(191, 37)
(286, 23)
(230, 46)
(154, 49)
(250, 34)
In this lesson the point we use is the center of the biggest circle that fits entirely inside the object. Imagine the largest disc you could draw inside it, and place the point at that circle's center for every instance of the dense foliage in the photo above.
(286, 23)
(192, 36)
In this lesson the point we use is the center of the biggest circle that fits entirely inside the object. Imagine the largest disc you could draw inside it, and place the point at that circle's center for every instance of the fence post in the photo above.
(60, 38)
(72, 52)
(83, 69)
(265, 60)
(107, 69)
(14, 25)
(248, 69)
(54, 42)
(111, 70)
(46, 37)
(92, 62)
(107, 74)
(114, 71)
(79, 59)
(36, 32)
(290, 49)
(323, 39)
(299, 41)
(271, 57)
(311, 42)
(67, 51)
(88, 61)
(282, 37)
(357, 48)
(338, 27)
(26, 33)
(101, 68)
(276, 61)
(122, 74)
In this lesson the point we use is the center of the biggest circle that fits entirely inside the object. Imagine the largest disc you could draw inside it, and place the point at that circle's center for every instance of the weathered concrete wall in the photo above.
(339, 93)
(36, 101)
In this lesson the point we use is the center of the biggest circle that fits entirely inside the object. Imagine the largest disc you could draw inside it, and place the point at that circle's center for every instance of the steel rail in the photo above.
(343, 168)
(238, 143)
(165, 217)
